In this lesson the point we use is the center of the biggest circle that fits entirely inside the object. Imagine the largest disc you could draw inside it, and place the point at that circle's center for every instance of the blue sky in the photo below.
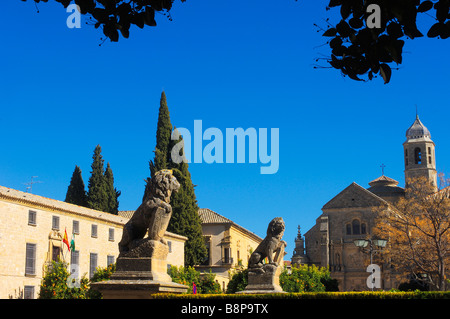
(230, 64)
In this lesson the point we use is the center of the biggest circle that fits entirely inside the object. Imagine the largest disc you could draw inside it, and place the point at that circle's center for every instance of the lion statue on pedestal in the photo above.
(271, 245)
(153, 215)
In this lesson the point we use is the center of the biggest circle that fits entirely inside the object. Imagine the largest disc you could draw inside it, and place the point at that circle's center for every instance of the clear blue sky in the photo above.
(229, 64)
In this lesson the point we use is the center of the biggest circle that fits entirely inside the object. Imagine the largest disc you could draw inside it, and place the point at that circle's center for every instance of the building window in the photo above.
(418, 155)
(205, 261)
(94, 230)
(227, 256)
(76, 227)
(55, 222)
(363, 228)
(429, 150)
(93, 257)
(56, 251)
(30, 259)
(169, 243)
(75, 263)
(356, 227)
(75, 257)
(28, 292)
(111, 234)
(429, 159)
(109, 260)
(32, 218)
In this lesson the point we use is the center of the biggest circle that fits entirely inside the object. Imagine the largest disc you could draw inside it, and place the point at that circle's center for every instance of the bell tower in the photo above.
(419, 154)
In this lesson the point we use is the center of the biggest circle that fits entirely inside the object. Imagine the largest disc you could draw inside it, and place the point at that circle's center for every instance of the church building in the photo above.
(351, 214)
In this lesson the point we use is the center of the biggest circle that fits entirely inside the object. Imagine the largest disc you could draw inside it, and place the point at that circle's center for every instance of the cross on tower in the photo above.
(382, 169)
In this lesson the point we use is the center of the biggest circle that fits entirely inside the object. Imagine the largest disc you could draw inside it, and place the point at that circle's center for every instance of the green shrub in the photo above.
(54, 284)
(100, 274)
(188, 276)
(238, 282)
(318, 295)
(305, 278)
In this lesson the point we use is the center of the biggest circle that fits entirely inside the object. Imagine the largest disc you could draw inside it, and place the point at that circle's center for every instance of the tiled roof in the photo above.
(383, 180)
(207, 216)
(126, 213)
(56, 205)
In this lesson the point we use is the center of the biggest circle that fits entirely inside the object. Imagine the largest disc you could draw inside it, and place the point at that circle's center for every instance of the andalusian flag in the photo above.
(66, 239)
(72, 242)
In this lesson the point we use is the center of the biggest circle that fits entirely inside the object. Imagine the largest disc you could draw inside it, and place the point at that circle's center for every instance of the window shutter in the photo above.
(30, 259)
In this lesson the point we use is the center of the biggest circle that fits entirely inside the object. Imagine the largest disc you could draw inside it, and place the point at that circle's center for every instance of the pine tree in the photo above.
(97, 196)
(185, 219)
(76, 193)
(113, 193)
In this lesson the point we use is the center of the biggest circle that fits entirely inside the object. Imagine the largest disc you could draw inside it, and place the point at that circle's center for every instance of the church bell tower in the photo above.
(419, 153)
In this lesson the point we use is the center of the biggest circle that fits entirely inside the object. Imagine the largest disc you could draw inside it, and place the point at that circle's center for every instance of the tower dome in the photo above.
(419, 153)
(417, 130)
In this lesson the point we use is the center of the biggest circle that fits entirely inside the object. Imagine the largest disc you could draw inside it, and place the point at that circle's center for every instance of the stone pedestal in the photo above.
(264, 280)
(140, 272)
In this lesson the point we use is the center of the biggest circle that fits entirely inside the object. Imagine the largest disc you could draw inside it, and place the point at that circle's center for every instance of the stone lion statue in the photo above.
(153, 215)
(269, 246)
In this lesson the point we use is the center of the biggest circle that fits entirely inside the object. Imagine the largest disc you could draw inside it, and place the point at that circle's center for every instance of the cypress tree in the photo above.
(76, 193)
(163, 133)
(97, 196)
(185, 219)
(113, 193)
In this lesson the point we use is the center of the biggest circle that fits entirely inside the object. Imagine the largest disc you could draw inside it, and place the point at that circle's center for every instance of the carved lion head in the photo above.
(276, 227)
(164, 184)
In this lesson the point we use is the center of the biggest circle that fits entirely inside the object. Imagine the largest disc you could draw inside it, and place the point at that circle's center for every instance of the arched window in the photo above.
(348, 229)
(418, 155)
(356, 227)
(363, 228)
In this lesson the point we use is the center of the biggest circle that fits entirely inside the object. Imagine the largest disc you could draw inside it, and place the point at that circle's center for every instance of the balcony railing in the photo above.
(227, 260)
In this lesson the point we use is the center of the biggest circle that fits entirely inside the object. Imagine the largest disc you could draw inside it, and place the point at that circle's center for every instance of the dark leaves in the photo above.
(435, 30)
(117, 16)
(425, 6)
(331, 32)
(385, 71)
(358, 50)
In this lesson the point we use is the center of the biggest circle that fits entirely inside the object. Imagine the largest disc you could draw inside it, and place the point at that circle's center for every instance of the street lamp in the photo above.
(374, 243)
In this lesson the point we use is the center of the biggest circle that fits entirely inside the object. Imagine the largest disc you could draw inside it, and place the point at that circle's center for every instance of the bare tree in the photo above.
(418, 228)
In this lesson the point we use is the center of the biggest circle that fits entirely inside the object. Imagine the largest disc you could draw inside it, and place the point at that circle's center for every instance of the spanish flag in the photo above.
(66, 239)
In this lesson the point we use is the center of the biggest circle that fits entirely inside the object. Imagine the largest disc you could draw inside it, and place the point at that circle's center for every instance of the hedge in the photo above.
(317, 295)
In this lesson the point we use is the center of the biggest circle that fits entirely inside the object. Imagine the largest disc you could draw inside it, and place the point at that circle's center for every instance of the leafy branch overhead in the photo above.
(359, 48)
(116, 16)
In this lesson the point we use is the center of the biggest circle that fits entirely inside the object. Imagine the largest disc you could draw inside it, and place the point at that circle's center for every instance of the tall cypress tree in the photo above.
(185, 219)
(97, 196)
(163, 133)
(113, 193)
(76, 193)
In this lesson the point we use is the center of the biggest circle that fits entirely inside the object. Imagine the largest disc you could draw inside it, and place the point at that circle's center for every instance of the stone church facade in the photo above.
(351, 214)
